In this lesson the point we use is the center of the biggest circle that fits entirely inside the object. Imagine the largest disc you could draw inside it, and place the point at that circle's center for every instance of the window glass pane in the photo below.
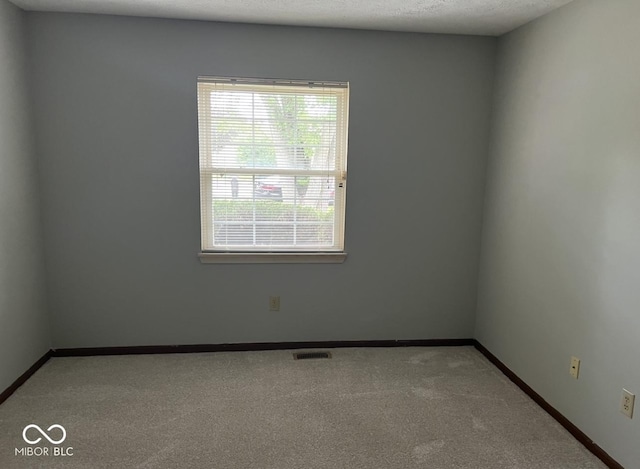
(273, 131)
(315, 234)
(274, 234)
(229, 234)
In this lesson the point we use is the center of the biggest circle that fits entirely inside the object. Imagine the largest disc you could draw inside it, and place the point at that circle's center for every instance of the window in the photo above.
(273, 158)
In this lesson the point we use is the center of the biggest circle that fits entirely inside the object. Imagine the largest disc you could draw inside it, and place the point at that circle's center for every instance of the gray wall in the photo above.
(24, 327)
(116, 114)
(561, 243)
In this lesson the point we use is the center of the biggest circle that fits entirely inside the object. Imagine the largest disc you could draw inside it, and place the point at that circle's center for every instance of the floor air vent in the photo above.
(310, 355)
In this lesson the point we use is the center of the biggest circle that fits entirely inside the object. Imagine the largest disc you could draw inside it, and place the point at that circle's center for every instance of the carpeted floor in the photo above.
(369, 408)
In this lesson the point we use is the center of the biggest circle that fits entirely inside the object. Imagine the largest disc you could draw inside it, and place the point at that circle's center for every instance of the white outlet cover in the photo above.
(274, 303)
(627, 402)
(574, 369)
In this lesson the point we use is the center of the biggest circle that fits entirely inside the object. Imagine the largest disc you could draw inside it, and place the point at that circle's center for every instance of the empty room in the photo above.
(300, 234)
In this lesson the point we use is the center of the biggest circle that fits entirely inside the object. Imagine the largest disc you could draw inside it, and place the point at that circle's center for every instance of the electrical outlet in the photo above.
(274, 303)
(626, 404)
(574, 370)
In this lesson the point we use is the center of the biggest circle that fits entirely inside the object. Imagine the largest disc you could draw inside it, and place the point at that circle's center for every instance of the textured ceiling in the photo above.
(483, 17)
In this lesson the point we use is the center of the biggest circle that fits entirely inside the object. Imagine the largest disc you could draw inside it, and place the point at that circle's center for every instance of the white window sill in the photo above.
(272, 257)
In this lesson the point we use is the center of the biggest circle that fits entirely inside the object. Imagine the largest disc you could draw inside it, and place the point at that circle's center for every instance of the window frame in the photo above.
(210, 253)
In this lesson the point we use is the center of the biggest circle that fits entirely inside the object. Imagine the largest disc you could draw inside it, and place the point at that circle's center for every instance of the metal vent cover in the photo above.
(310, 355)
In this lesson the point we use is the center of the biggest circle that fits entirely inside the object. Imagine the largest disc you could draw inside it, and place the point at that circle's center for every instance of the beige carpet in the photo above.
(387, 408)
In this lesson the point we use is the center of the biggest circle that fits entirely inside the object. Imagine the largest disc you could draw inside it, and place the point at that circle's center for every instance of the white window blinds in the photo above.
(273, 158)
